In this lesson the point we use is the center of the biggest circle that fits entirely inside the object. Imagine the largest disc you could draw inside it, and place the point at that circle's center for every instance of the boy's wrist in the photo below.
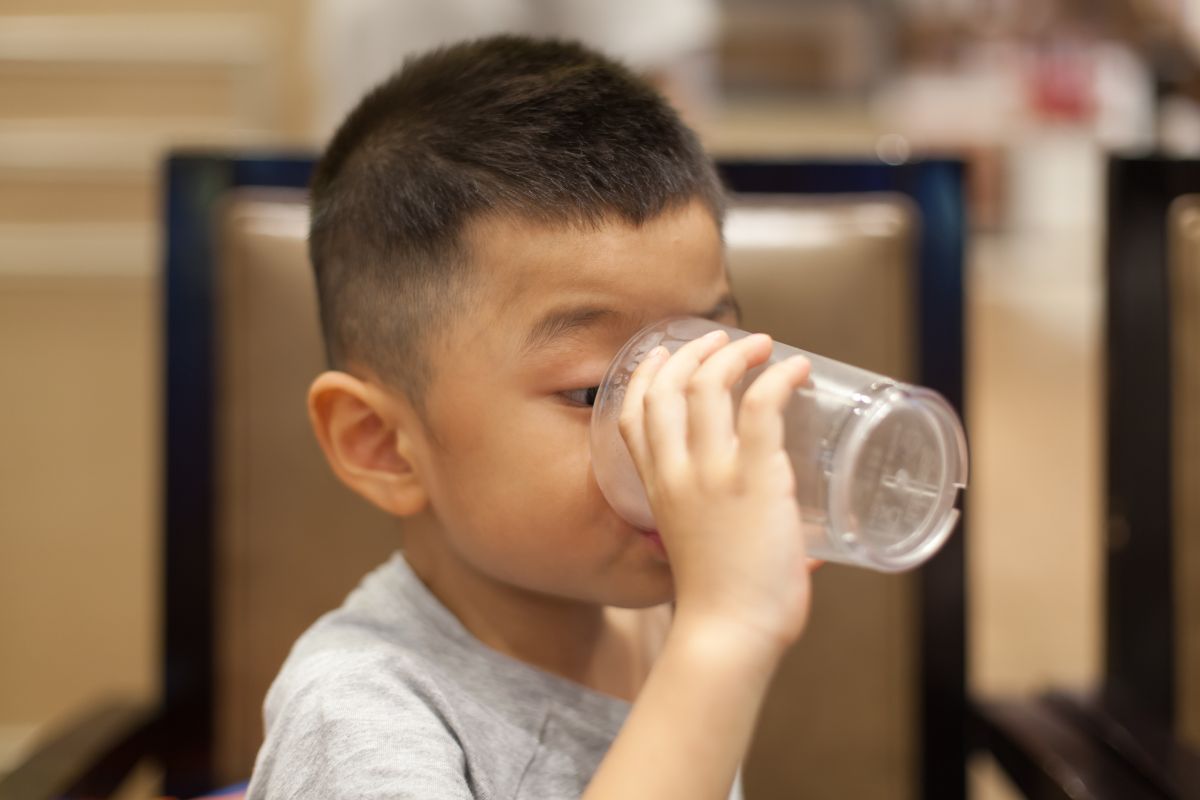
(725, 642)
(694, 718)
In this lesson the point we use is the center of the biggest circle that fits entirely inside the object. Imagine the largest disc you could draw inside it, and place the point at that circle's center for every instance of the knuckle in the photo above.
(792, 372)
(672, 481)
(627, 423)
(657, 395)
(766, 394)
(753, 402)
(700, 383)
(718, 477)
(781, 468)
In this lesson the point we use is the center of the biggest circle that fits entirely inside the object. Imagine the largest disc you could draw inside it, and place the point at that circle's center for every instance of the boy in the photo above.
(488, 227)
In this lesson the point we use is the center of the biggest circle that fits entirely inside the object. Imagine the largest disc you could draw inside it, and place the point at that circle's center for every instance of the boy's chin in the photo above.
(647, 594)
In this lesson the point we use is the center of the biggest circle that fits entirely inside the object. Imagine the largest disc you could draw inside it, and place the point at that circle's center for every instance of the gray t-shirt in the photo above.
(390, 696)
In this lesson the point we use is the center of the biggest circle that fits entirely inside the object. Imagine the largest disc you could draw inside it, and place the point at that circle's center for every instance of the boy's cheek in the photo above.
(551, 470)
(524, 463)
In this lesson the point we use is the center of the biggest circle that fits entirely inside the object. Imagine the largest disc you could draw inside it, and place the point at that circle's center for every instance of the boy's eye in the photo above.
(584, 397)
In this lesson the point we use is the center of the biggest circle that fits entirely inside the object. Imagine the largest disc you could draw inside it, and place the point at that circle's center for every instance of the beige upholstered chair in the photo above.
(1184, 268)
(835, 277)
(291, 540)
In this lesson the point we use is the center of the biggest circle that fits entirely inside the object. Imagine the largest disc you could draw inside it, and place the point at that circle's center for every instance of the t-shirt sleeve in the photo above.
(344, 728)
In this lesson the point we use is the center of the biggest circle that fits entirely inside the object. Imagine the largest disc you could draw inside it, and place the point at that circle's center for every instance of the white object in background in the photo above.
(358, 43)
(1124, 92)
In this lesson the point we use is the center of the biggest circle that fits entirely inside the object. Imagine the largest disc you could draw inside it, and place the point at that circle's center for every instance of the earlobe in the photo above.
(366, 444)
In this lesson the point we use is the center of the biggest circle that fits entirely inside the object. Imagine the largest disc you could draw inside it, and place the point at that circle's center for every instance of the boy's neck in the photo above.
(593, 645)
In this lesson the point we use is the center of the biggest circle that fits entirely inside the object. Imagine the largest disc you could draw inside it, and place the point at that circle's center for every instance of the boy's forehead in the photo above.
(532, 273)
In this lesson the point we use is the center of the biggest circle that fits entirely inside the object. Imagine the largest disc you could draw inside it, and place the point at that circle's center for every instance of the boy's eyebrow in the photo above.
(559, 322)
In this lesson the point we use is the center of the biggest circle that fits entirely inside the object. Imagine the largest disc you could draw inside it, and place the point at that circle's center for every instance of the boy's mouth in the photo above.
(656, 542)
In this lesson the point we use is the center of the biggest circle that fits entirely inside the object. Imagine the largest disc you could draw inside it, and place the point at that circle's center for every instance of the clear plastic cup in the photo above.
(878, 463)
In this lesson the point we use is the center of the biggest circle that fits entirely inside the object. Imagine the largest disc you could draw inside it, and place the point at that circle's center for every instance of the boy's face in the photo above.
(509, 479)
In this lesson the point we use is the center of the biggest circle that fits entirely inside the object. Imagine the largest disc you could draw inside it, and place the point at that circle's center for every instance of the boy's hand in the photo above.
(722, 495)
(722, 491)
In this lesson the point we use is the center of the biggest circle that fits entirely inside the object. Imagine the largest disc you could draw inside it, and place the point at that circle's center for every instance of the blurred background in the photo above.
(1032, 94)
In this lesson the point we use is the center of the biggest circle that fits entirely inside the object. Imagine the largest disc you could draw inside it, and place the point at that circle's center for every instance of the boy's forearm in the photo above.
(692, 722)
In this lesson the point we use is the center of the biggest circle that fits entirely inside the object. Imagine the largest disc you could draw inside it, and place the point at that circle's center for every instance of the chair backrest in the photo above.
(834, 276)
(1184, 293)
(291, 541)
(1152, 325)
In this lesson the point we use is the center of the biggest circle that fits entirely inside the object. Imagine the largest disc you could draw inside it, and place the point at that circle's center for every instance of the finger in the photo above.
(631, 419)
(710, 405)
(666, 406)
(815, 564)
(760, 416)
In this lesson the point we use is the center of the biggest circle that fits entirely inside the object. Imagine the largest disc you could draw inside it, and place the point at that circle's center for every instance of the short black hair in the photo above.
(539, 129)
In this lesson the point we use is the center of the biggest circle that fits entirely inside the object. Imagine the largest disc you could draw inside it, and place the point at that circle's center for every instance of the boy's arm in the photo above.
(722, 491)
(692, 722)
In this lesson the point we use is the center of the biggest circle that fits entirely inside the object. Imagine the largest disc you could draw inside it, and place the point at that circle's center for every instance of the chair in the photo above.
(253, 554)
(1137, 735)
(881, 673)
(796, 267)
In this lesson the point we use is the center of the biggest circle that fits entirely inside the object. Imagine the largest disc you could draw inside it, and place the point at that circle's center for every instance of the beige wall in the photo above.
(91, 96)
(78, 419)
(1034, 401)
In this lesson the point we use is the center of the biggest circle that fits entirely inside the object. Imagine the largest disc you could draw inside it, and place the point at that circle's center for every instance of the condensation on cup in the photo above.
(878, 463)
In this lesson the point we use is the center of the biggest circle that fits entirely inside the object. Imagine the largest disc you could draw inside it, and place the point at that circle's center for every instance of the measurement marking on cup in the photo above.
(901, 481)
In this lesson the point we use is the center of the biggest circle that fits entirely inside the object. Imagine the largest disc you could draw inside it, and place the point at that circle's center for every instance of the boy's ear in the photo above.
(367, 443)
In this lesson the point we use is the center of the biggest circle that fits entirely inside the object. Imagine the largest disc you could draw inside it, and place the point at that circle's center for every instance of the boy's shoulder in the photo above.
(389, 638)
(390, 685)
(364, 684)
(374, 627)
(336, 716)
(393, 637)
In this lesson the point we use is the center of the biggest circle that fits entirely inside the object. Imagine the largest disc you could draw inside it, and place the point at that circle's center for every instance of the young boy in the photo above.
(488, 227)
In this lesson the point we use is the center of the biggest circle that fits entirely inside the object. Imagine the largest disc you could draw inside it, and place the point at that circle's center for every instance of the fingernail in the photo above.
(657, 352)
